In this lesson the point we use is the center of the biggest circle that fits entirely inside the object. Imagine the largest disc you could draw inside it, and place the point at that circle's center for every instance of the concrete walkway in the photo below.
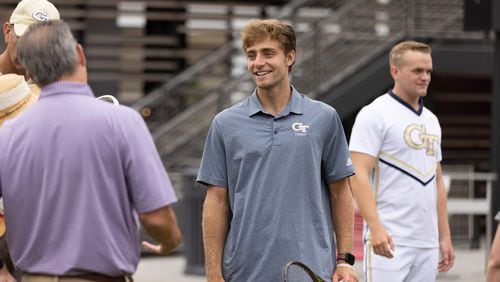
(469, 267)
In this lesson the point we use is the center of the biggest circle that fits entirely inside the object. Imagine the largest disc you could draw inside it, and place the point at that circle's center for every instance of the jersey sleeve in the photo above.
(367, 133)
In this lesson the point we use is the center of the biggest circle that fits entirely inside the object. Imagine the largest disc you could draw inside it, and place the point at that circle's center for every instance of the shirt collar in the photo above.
(294, 105)
(67, 88)
(420, 103)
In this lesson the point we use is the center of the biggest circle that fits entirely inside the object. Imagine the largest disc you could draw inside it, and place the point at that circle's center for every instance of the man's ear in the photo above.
(6, 30)
(394, 72)
(81, 55)
(290, 58)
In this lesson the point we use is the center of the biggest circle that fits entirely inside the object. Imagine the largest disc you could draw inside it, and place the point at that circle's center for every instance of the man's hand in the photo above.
(345, 273)
(382, 242)
(161, 225)
(447, 254)
(156, 249)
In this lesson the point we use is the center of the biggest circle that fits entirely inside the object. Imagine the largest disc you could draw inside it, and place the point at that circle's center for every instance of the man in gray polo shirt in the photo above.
(276, 166)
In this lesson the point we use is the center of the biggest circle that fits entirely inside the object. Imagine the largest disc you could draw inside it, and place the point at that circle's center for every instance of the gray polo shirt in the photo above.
(276, 170)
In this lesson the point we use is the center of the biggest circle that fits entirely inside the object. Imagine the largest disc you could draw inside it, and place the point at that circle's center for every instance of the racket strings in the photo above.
(296, 272)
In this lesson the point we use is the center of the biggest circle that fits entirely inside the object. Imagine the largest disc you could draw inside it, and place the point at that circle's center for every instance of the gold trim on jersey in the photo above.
(399, 163)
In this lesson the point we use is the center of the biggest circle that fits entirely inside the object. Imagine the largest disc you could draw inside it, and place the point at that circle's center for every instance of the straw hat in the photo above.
(15, 95)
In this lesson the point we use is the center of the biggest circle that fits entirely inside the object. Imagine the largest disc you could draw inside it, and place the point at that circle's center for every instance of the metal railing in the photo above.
(332, 46)
(474, 206)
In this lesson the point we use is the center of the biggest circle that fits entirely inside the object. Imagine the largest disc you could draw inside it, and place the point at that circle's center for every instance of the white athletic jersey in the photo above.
(407, 145)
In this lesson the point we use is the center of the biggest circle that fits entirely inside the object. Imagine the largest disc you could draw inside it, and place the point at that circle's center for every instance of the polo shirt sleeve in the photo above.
(367, 133)
(147, 180)
(213, 166)
(337, 162)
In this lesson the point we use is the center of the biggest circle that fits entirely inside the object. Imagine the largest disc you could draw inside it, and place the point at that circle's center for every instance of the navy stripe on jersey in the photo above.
(420, 103)
(424, 183)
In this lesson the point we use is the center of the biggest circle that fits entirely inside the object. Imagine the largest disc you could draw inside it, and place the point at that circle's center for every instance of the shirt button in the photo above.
(276, 132)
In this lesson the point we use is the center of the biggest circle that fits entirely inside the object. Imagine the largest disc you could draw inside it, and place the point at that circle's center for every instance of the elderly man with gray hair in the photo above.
(76, 173)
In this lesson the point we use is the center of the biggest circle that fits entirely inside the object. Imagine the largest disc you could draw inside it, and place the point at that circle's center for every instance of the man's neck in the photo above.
(413, 101)
(79, 75)
(274, 100)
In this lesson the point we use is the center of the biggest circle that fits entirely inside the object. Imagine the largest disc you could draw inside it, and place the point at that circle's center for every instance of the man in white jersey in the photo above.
(399, 188)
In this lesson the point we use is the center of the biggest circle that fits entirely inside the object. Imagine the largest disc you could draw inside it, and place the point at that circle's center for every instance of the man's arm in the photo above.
(343, 223)
(380, 239)
(215, 217)
(161, 225)
(446, 248)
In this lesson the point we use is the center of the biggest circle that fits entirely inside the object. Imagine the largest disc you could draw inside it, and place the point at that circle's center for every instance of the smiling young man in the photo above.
(276, 166)
(396, 144)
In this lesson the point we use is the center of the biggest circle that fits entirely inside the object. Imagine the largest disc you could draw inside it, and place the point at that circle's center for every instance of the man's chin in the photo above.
(261, 83)
(422, 92)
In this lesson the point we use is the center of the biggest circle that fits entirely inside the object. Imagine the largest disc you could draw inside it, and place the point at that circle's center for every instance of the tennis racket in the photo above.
(295, 271)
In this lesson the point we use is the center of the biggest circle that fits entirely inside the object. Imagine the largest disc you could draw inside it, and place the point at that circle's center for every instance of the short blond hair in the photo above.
(397, 52)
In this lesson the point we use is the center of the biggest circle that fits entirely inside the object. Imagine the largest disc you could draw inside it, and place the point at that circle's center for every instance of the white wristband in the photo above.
(345, 265)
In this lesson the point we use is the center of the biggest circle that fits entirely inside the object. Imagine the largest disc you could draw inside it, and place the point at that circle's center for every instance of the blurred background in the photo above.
(180, 62)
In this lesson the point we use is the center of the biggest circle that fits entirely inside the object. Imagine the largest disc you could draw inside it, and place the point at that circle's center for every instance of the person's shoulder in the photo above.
(382, 100)
(377, 103)
(312, 101)
(317, 105)
(379, 106)
(118, 109)
(240, 108)
(122, 112)
(429, 113)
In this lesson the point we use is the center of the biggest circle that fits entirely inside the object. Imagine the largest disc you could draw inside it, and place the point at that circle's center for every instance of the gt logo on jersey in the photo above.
(300, 127)
(417, 138)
